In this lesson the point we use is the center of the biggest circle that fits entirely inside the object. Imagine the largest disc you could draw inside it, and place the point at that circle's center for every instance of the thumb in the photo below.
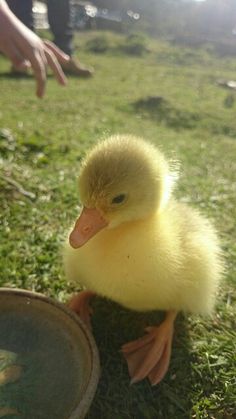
(23, 65)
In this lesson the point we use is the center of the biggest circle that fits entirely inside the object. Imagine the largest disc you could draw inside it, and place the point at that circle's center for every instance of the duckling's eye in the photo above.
(118, 199)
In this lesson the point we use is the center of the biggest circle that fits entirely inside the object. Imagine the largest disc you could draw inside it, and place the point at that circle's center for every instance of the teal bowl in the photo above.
(49, 363)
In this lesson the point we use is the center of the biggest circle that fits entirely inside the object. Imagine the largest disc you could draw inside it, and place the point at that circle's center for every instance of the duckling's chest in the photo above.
(127, 266)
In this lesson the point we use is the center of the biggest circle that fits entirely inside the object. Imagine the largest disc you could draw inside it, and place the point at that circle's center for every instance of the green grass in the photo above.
(41, 145)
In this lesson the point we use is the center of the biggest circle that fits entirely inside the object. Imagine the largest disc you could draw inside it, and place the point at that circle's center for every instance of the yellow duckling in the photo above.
(133, 243)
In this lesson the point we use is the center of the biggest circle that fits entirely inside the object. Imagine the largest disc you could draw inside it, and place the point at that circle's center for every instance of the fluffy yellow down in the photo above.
(156, 253)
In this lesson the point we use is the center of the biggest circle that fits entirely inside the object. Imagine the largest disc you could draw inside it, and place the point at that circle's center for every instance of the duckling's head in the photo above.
(122, 179)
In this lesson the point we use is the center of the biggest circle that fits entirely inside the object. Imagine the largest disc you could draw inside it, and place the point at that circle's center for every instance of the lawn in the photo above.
(191, 119)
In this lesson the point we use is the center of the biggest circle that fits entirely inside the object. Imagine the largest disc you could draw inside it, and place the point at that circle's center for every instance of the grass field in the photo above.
(41, 145)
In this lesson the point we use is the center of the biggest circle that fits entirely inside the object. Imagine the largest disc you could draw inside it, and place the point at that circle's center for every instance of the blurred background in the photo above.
(188, 22)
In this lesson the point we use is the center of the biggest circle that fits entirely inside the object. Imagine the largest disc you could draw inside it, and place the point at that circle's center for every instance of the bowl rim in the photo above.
(87, 396)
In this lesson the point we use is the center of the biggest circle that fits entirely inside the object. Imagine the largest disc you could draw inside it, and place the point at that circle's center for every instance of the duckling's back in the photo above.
(202, 263)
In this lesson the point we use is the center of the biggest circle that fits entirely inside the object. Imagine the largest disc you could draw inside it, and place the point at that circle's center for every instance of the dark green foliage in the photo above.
(135, 44)
(99, 44)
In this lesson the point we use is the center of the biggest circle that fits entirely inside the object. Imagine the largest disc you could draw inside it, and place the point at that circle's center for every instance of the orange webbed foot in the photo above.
(79, 303)
(149, 356)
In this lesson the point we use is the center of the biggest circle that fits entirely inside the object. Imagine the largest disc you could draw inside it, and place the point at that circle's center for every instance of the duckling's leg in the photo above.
(149, 356)
(80, 304)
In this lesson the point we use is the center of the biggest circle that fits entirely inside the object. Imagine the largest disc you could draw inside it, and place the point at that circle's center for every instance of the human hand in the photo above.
(24, 48)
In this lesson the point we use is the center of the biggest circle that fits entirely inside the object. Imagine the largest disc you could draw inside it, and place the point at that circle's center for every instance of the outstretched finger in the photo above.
(59, 54)
(39, 69)
(43, 57)
(55, 66)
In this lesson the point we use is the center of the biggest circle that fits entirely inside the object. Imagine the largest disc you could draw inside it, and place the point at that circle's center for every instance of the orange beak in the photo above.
(89, 223)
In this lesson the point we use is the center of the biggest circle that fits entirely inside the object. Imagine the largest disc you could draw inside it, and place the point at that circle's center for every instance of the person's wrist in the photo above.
(5, 16)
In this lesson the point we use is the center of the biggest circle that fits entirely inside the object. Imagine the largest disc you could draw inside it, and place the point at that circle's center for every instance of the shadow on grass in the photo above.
(115, 398)
(15, 76)
(22, 76)
(30, 76)
(159, 109)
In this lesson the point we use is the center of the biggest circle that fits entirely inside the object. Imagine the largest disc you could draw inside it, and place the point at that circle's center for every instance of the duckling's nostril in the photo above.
(86, 229)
